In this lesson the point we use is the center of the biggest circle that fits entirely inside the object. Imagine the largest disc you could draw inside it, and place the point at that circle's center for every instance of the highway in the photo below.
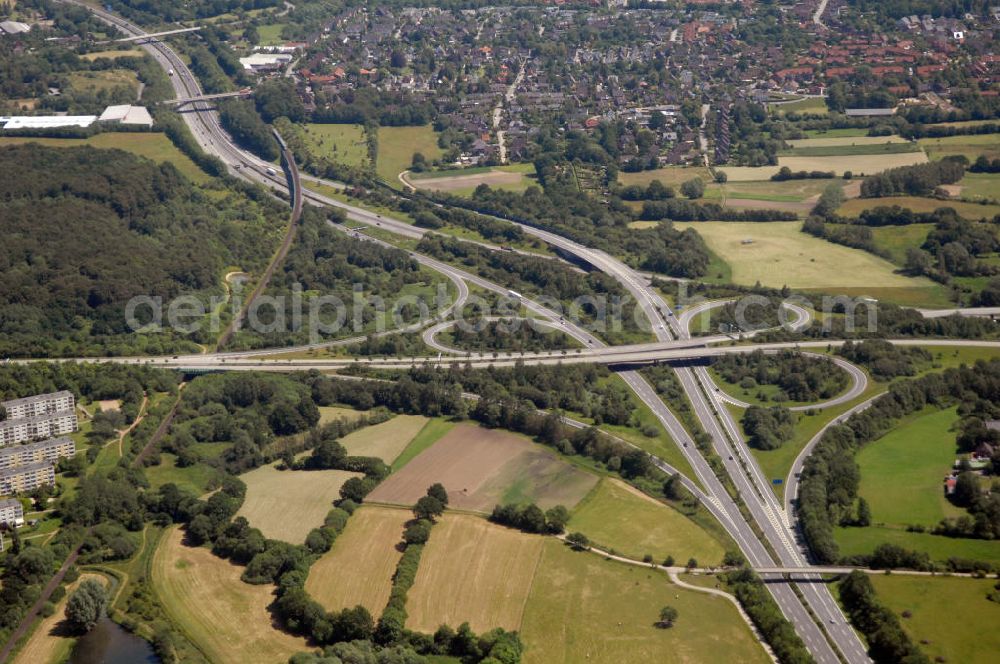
(776, 550)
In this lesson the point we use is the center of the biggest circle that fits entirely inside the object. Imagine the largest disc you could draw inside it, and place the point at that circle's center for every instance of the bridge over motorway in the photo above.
(154, 35)
(181, 101)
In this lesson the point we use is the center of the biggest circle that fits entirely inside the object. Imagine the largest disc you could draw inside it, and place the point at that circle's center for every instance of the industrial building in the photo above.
(23, 479)
(127, 114)
(11, 513)
(11, 122)
(46, 450)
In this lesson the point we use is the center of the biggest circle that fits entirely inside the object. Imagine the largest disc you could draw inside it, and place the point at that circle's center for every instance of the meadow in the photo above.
(902, 473)
(650, 527)
(463, 182)
(473, 571)
(807, 105)
(343, 143)
(970, 146)
(897, 239)
(862, 541)
(856, 206)
(205, 599)
(781, 255)
(273, 495)
(950, 618)
(585, 608)
(358, 568)
(396, 147)
(386, 440)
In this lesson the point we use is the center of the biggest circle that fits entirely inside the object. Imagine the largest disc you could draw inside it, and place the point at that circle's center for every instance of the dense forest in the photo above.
(85, 230)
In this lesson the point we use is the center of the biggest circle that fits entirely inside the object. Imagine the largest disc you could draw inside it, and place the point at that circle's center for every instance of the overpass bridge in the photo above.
(183, 101)
(154, 35)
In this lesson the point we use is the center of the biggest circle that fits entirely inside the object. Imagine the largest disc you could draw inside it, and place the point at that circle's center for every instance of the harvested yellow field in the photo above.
(227, 619)
(473, 570)
(778, 254)
(329, 414)
(837, 141)
(287, 504)
(748, 173)
(672, 176)
(386, 440)
(358, 568)
(113, 55)
(858, 164)
(51, 641)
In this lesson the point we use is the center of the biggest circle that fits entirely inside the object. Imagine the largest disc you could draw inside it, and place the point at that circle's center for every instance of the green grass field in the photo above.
(902, 473)
(871, 149)
(970, 146)
(196, 478)
(897, 239)
(977, 186)
(343, 143)
(583, 608)
(837, 133)
(396, 147)
(270, 35)
(861, 541)
(464, 182)
(854, 207)
(153, 146)
(810, 105)
(781, 255)
(789, 191)
(950, 618)
(616, 516)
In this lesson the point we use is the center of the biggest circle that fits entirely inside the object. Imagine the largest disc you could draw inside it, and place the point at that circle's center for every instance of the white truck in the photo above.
(514, 294)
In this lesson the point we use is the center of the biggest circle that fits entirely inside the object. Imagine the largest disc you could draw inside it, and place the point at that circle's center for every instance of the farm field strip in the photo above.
(473, 570)
(386, 440)
(358, 568)
(273, 495)
(481, 467)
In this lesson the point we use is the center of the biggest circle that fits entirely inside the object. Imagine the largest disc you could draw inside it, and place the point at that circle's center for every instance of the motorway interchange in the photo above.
(763, 527)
